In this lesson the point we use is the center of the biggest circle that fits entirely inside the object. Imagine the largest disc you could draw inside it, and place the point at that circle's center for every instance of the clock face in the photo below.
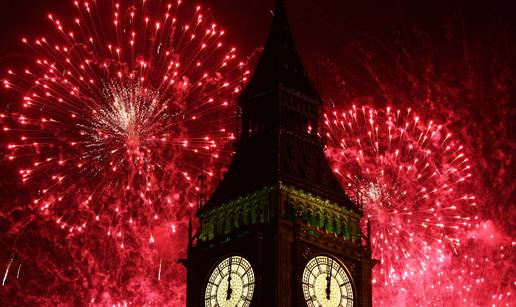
(326, 283)
(231, 284)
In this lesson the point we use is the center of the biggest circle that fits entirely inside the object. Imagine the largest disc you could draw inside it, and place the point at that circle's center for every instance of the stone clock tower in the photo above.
(279, 229)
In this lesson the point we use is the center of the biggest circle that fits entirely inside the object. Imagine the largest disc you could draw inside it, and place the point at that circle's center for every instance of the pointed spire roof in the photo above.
(278, 105)
(280, 63)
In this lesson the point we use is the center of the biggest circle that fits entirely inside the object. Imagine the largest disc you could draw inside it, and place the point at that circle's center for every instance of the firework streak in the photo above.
(412, 179)
(119, 117)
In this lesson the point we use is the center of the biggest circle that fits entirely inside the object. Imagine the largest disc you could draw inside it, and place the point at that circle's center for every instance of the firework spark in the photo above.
(113, 117)
(412, 179)
(121, 112)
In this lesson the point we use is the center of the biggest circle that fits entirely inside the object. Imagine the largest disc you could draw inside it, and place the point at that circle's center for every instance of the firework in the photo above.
(410, 177)
(121, 115)
(124, 117)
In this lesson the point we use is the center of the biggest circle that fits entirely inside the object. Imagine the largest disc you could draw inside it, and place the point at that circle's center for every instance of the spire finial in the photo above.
(279, 7)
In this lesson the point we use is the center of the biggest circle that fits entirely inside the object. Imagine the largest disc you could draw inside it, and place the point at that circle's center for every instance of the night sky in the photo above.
(452, 62)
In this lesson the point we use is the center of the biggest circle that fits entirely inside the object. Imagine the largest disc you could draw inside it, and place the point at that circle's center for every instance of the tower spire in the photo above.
(280, 113)
(280, 63)
(279, 208)
(280, 5)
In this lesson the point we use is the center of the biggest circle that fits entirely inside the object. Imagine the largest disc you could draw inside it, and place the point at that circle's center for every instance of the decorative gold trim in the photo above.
(257, 207)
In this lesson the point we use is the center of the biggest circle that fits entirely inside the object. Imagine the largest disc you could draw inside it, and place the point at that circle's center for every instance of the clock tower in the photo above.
(279, 229)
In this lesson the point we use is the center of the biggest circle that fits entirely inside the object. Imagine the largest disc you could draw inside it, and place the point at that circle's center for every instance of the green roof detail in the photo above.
(265, 204)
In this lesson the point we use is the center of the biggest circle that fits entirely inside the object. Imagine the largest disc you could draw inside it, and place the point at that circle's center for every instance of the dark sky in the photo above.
(320, 27)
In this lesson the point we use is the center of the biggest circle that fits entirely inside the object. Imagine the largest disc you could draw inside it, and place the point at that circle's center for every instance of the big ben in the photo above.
(279, 229)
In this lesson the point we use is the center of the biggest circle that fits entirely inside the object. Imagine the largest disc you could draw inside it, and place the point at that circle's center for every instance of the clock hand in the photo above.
(328, 283)
(229, 291)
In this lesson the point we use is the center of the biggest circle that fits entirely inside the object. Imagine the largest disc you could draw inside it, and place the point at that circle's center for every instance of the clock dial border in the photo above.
(213, 279)
(310, 300)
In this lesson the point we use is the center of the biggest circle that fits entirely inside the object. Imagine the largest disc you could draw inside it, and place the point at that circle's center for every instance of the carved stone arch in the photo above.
(237, 218)
(219, 224)
(318, 218)
(312, 217)
(246, 216)
(212, 230)
(347, 231)
(203, 230)
(306, 215)
(297, 207)
(290, 208)
(321, 219)
(338, 225)
(330, 223)
(253, 216)
(228, 219)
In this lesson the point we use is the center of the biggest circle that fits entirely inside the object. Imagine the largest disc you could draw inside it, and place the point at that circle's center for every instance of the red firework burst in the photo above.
(410, 177)
(120, 116)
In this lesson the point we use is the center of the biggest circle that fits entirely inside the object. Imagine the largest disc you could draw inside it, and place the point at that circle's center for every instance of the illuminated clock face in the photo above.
(326, 283)
(231, 284)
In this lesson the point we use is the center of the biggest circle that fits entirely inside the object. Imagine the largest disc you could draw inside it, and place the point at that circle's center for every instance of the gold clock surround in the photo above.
(231, 283)
(327, 282)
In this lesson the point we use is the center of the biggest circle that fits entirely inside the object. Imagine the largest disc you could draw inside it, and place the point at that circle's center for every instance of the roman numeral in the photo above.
(245, 298)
